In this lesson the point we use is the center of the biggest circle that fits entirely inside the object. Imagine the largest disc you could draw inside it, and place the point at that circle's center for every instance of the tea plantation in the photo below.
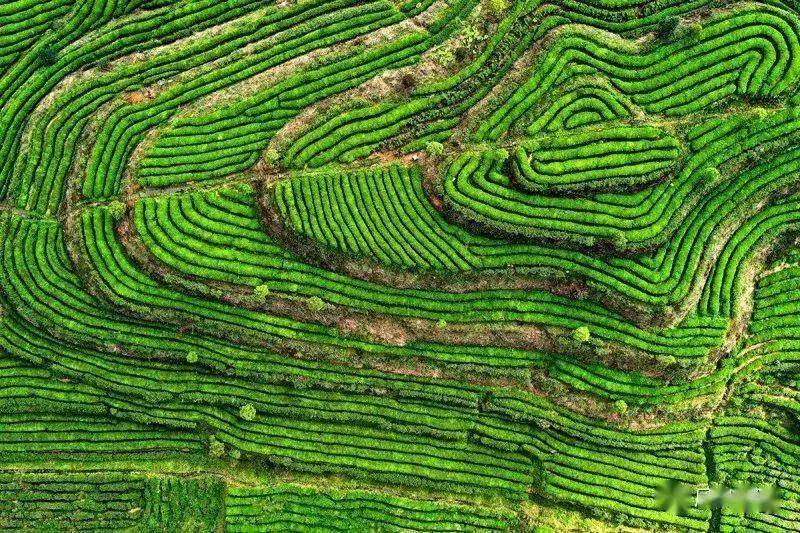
(389, 265)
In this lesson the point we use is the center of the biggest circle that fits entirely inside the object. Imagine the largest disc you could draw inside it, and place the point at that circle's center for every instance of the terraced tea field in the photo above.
(376, 265)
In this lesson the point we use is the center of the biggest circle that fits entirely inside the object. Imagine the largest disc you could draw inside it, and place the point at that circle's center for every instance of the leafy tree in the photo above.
(215, 447)
(666, 28)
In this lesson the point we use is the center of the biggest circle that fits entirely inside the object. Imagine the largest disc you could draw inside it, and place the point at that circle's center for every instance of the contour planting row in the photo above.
(748, 51)
(22, 22)
(126, 126)
(749, 452)
(594, 160)
(583, 102)
(434, 110)
(478, 189)
(289, 507)
(90, 35)
(199, 244)
(40, 178)
(103, 331)
(336, 210)
(568, 447)
(169, 414)
(108, 500)
(240, 131)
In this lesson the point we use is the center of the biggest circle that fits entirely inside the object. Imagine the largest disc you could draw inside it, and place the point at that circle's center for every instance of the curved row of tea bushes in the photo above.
(94, 32)
(240, 131)
(586, 102)
(750, 452)
(477, 189)
(37, 184)
(294, 507)
(107, 500)
(594, 160)
(749, 51)
(434, 110)
(176, 240)
(22, 22)
(570, 447)
(126, 126)
(382, 198)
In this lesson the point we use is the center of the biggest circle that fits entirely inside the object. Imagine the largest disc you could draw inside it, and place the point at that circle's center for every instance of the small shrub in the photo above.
(248, 412)
(434, 148)
(581, 334)
(315, 304)
(116, 209)
(261, 291)
(272, 156)
(621, 407)
(192, 357)
(666, 28)
(48, 55)
(444, 56)
(497, 8)
(441, 324)
(215, 447)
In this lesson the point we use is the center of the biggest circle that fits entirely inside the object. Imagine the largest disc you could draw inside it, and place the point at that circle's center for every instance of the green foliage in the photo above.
(497, 7)
(272, 156)
(597, 182)
(116, 209)
(581, 334)
(248, 412)
(261, 291)
(666, 27)
(315, 304)
(434, 148)
(216, 448)
(48, 55)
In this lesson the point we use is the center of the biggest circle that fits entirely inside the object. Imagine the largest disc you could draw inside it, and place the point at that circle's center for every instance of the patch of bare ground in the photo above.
(138, 97)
